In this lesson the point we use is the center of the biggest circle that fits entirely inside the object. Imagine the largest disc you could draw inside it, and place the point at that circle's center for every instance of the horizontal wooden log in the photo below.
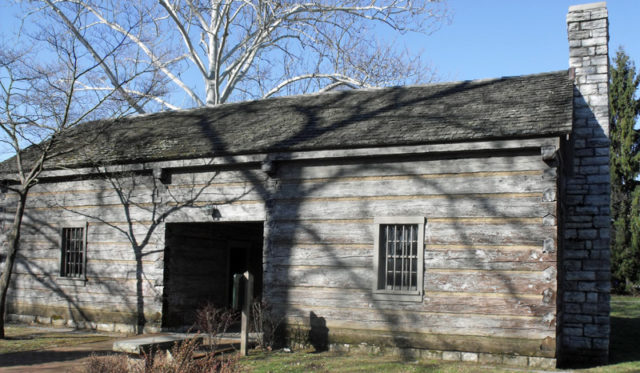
(86, 313)
(421, 322)
(516, 206)
(436, 233)
(82, 299)
(250, 211)
(218, 193)
(524, 182)
(179, 179)
(115, 269)
(345, 334)
(330, 277)
(362, 255)
(95, 251)
(209, 177)
(35, 228)
(450, 303)
(510, 282)
(101, 285)
(97, 183)
(533, 260)
(115, 213)
(201, 212)
(310, 170)
(480, 281)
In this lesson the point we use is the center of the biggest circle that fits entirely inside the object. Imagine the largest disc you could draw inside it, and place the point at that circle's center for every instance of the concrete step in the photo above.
(154, 342)
(146, 344)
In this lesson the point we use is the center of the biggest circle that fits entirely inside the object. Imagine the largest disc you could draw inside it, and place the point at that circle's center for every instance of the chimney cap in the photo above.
(581, 7)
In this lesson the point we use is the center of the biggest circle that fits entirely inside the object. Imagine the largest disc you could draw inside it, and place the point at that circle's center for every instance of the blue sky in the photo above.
(493, 38)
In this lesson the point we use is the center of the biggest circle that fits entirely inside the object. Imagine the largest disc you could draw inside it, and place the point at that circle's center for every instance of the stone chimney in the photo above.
(583, 307)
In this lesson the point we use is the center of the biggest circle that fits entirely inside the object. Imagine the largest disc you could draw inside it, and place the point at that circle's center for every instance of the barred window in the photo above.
(73, 253)
(399, 253)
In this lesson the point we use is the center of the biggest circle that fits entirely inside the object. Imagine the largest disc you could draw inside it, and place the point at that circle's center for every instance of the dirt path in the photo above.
(55, 359)
(61, 359)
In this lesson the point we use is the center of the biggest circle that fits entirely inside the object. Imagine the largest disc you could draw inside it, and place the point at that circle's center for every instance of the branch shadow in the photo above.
(277, 265)
(289, 225)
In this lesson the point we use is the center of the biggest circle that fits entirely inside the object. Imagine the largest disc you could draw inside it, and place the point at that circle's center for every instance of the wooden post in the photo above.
(246, 311)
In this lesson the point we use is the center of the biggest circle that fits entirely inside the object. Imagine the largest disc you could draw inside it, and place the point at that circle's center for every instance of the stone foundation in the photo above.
(88, 325)
(422, 354)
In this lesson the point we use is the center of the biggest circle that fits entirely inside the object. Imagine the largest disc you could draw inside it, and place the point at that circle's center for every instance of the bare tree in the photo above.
(215, 51)
(38, 102)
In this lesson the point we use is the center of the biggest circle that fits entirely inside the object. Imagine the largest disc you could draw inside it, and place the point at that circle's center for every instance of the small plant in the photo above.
(266, 322)
(182, 357)
(215, 321)
(179, 359)
(108, 364)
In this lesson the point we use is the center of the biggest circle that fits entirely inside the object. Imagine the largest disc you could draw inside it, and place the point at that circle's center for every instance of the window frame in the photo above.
(398, 295)
(61, 273)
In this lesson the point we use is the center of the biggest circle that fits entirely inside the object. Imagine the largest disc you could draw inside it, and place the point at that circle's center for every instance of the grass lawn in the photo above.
(302, 361)
(625, 350)
(22, 338)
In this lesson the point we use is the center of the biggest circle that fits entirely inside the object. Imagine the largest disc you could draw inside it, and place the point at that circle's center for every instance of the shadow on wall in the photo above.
(127, 195)
(319, 333)
(585, 205)
(281, 236)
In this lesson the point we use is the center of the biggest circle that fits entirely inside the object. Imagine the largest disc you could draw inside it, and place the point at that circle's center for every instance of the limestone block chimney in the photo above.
(584, 280)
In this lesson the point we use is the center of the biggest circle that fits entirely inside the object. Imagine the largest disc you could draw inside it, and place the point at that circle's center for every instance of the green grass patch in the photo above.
(309, 361)
(625, 334)
(23, 338)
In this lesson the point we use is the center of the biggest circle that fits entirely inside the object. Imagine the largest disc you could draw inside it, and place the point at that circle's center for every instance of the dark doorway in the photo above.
(200, 260)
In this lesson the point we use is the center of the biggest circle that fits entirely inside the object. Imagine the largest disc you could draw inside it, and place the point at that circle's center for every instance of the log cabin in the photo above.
(465, 221)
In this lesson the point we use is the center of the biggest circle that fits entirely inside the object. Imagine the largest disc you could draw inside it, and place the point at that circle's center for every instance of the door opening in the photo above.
(200, 260)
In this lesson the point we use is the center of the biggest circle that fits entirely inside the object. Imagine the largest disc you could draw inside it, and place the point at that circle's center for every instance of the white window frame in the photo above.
(398, 295)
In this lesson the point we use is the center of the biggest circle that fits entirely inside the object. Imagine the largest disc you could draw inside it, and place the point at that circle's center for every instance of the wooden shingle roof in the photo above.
(513, 107)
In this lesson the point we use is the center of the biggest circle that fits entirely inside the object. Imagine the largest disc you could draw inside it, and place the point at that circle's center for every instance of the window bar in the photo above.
(69, 252)
(416, 256)
(395, 251)
(75, 252)
(64, 252)
(79, 248)
(78, 253)
(391, 259)
(387, 257)
(82, 243)
(72, 231)
(404, 258)
(410, 257)
(399, 257)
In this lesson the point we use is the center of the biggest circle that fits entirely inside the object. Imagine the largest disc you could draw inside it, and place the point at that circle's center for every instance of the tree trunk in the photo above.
(13, 241)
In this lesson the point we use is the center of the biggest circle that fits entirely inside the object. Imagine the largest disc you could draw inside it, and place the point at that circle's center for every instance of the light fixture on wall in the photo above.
(215, 213)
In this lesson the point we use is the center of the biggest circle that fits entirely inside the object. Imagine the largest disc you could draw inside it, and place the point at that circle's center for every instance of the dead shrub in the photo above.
(109, 364)
(214, 321)
(181, 358)
(265, 321)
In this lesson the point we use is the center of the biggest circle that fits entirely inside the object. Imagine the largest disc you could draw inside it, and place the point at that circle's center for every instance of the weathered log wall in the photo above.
(489, 257)
(125, 218)
(488, 274)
